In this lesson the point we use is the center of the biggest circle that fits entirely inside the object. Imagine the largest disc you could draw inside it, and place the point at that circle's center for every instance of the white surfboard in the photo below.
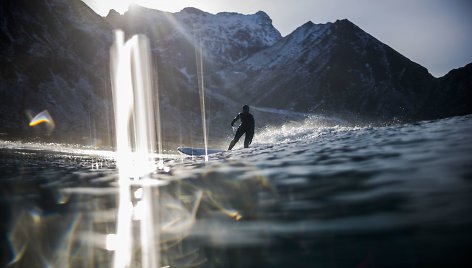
(197, 151)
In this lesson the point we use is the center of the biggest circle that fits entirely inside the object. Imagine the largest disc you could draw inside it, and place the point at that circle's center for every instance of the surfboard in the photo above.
(197, 151)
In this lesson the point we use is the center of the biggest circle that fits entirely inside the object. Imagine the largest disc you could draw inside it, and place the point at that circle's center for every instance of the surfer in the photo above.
(246, 127)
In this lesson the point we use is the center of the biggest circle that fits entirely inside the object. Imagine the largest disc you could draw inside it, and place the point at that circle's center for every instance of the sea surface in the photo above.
(303, 195)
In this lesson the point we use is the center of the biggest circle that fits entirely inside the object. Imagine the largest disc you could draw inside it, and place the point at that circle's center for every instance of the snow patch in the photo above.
(186, 74)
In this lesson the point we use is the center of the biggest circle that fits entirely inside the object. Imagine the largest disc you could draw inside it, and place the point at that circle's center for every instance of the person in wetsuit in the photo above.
(246, 127)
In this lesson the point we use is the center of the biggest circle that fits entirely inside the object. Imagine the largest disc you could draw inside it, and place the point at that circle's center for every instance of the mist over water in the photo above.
(304, 195)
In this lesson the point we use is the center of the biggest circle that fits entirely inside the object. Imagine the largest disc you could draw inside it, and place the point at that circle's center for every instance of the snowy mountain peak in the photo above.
(263, 17)
(309, 30)
(225, 37)
(346, 22)
(194, 11)
(113, 13)
(307, 24)
(346, 27)
(230, 36)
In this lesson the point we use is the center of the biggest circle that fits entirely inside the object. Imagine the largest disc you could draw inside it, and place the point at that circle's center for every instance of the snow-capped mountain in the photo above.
(333, 68)
(55, 55)
(337, 68)
(226, 37)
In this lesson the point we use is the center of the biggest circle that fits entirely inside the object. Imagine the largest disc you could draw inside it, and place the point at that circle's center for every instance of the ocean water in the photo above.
(304, 195)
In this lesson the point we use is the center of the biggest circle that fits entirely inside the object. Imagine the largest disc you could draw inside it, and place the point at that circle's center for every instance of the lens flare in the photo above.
(43, 117)
(131, 72)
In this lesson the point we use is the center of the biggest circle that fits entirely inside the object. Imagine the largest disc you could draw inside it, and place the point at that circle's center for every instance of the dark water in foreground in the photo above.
(303, 196)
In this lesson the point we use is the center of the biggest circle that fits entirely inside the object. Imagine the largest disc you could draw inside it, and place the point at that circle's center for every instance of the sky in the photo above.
(433, 33)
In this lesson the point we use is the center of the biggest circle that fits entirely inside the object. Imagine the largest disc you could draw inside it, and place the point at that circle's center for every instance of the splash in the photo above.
(311, 128)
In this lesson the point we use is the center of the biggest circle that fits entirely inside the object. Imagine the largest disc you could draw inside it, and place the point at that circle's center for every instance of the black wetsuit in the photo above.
(247, 126)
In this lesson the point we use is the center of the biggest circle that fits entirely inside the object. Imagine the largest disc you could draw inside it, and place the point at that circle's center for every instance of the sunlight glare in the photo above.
(111, 242)
(121, 6)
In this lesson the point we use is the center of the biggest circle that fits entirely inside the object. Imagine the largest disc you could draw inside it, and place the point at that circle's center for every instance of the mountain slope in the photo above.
(454, 94)
(333, 68)
(54, 56)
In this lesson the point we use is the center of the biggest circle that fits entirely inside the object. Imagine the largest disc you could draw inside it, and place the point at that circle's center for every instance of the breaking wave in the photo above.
(309, 129)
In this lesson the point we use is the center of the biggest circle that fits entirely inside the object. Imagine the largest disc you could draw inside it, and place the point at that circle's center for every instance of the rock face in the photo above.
(453, 95)
(55, 55)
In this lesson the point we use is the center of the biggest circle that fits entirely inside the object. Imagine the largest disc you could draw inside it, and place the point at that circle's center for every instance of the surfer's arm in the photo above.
(235, 119)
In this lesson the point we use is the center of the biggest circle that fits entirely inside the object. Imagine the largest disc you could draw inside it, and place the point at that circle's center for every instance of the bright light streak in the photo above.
(135, 144)
(37, 122)
(138, 194)
(139, 210)
(149, 234)
(43, 117)
(111, 242)
(201, 90)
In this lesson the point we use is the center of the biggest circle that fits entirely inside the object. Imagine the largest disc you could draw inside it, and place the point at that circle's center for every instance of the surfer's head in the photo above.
(245, 109)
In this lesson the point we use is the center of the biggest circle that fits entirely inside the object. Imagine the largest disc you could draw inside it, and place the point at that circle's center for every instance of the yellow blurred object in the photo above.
(43, 117)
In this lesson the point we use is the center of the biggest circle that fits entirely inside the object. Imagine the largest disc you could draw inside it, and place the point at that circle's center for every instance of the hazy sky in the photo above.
(433, 33)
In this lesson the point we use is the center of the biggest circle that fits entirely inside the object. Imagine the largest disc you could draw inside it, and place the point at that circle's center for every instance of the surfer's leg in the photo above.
(248, 138)
(231, 144)
(237, 136)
